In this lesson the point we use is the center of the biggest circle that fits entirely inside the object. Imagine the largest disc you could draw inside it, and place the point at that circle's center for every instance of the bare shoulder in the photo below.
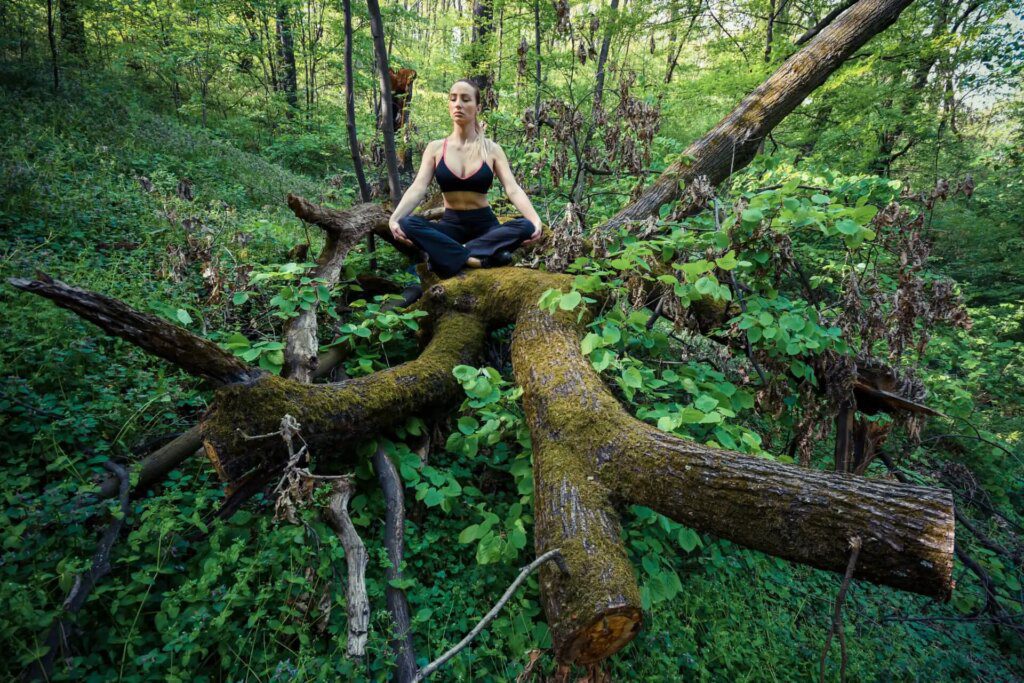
(498, 152)
(432, 150)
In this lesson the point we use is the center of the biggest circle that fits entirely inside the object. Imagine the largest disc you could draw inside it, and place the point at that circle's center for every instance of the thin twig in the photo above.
(836, 626)
(555, 555)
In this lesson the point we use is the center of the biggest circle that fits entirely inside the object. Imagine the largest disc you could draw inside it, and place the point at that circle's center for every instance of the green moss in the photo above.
(333, 416)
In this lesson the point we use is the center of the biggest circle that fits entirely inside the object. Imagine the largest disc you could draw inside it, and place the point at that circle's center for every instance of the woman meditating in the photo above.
(465, 164)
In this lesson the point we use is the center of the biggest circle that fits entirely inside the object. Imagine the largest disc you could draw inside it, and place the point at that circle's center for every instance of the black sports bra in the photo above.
(479, 181)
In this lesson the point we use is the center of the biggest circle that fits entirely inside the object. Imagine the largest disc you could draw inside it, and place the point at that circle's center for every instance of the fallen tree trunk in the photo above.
(335, 416)
(733, 142)
(590, 459)
(591, 456)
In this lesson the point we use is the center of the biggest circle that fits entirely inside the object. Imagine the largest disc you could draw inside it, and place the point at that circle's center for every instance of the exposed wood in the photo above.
(343, 231)
(394, 543)
(191, 353)
(357, 603)
(733, 142)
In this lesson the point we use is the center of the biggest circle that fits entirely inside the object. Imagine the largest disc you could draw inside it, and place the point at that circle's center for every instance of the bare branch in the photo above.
(193, 354)
(555, 555)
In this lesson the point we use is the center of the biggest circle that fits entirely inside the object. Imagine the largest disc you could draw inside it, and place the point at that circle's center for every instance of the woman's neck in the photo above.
(464, 132)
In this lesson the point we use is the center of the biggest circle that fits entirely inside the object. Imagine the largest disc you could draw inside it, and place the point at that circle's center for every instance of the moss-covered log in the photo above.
(334, 417)
(590, 455)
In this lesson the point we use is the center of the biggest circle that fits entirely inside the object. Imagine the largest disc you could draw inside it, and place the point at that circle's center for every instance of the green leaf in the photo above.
(601, 359)
(753, 215)
(667, 423)
(240, 298)
(847, 227)
(590, 342)
(468, 425)
(820, 198)
(631, 377)
(792, 322)
(727, 262)
(183, 317)
(863, 214)
(706, 403)
(570, 301)
(688, 539)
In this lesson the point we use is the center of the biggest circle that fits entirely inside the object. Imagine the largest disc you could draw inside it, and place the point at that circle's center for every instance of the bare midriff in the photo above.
(463, 201)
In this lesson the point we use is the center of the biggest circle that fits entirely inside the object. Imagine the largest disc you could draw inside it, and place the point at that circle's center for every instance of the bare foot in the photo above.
(474, 262)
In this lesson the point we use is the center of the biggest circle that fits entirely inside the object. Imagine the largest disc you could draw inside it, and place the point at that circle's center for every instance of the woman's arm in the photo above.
(415, 194)
(516, 195)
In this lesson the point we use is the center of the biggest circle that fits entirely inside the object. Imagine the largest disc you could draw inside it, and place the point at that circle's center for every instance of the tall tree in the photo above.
(387, 118)
(350, 106)
(72, 31)
(286, 54)
(479, 51)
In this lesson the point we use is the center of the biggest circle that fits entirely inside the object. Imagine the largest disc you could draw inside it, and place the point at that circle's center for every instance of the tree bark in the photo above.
(52, 38)
(344, 230)
(825, 21)
(334, 416)
(286, 53)
(394, 542)
(591, 457)
(350, 124)
(72, 30)
(195, 355)
(357, 603)
(733, 142)
(388, 115)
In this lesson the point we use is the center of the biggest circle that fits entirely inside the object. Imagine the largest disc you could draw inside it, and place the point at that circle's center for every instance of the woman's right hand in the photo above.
(398, 234)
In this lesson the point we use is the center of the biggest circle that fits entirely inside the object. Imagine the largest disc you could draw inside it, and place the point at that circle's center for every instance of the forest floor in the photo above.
(242, 603)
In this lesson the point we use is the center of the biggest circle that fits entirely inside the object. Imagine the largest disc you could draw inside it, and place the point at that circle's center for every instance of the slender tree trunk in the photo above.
(72, 31)
(733, 142)
(350, 106)
(479, 51)
(387, 103)
(580, 182)
(536, 42)
(286, 53)
(50, 34)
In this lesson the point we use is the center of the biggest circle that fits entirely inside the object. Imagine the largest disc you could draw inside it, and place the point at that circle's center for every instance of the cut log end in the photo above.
(605, 635)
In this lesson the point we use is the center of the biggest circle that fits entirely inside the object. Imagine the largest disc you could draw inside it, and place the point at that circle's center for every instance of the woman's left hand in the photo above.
(535, 237)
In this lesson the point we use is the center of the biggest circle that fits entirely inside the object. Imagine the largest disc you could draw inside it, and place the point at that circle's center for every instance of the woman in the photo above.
(465, 164)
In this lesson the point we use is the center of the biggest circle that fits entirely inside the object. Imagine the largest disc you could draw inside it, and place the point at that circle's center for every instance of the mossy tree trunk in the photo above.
(734, 141)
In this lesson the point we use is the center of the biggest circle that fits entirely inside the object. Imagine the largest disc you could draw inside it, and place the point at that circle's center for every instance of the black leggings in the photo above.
(461, 234)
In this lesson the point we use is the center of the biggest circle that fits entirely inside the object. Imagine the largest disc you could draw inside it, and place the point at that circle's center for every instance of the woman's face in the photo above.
(462, 105)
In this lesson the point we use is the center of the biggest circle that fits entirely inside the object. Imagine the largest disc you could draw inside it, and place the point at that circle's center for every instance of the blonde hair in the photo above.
(483, 146)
